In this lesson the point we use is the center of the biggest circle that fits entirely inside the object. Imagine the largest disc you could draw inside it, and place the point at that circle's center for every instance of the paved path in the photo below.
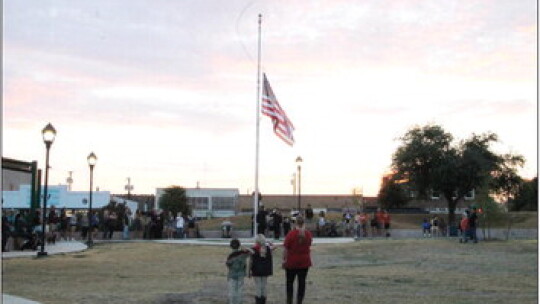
(58, 248)
(7, 299)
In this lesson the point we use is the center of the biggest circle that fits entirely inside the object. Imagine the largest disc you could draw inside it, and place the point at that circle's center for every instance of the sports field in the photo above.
(371, 271)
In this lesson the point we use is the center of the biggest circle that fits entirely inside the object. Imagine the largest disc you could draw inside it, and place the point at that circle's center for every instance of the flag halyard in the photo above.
(283, 127)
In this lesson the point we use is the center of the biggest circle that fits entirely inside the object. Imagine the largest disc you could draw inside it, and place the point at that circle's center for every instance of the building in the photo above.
(58, 196)
(208, 202)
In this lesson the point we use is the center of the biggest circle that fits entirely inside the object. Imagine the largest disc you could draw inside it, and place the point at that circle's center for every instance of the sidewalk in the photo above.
(249, 241)
(58, 248)
(7, 299)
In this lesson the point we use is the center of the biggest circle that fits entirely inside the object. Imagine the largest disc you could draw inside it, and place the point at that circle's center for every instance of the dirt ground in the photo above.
(371, 271)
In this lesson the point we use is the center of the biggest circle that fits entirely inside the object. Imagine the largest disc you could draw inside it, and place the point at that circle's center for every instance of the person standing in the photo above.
(63, 224)
(94, 224)
(261, 221)
(72, 225)
(126, 220)
(426, 228)
(373, 224)
(53, 224)
(435, 226)
(464, 227)
(473, 219)
(111, 224)
(297, 259)
(261, 267)
(19, 231)
(309, 213)
(180, 226)
(386, 222)
(277, 219)
(6, 231)
(286, 225)
(321, 225)
(380, 221)
(192, 232)
(236, 264)
(363, 223)
(138, 225)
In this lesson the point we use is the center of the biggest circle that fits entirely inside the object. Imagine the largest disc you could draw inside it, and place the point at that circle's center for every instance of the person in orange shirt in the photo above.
(386, 221)
(464, 227)
(363, 221)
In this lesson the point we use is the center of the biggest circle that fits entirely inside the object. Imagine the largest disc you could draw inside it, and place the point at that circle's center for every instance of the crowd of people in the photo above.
(434, 227)
(467, 226)
(361, 224)
(256, 262)
(25, 228)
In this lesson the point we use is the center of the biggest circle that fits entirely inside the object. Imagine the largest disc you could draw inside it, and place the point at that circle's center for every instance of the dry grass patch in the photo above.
(378, 271)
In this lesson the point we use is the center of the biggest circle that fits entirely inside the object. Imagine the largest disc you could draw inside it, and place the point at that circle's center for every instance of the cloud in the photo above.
(362, 70)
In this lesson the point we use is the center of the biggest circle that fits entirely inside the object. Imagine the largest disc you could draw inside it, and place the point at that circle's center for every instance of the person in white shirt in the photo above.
(180, 226)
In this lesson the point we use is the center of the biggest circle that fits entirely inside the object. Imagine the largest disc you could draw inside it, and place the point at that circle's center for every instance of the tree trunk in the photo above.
(509, 220)
(452, 226)
(451, 212)
(488, 227)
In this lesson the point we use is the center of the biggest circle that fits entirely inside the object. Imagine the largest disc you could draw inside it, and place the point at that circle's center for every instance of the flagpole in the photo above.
(256, 193)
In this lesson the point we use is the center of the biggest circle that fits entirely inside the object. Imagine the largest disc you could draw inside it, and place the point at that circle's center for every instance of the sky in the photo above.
(165, 92)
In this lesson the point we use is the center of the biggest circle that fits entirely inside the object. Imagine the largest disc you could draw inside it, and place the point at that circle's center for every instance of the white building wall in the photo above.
(59, 196)
(208, 193)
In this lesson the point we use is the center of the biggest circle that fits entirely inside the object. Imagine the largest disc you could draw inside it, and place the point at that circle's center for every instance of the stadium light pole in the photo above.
(299, 168)
(48, 133)
(92, 159)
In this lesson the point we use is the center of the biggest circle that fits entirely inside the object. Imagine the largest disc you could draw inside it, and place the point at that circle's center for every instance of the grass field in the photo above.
(374, 271)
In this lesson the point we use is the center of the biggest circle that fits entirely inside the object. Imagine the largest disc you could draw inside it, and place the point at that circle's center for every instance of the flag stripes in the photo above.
(283, 127)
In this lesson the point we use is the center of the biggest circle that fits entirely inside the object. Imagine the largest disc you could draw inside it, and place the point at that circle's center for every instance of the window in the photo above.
(223, 203)
(198, 203)
(470, 195)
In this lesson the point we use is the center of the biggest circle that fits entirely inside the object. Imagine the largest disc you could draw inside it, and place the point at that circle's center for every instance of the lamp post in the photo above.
(48, 133)
(92, 159)
(299, 167)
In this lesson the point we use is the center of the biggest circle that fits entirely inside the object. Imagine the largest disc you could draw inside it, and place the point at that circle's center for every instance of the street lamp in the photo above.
(299, 167)
(92, 159)
(48, 133)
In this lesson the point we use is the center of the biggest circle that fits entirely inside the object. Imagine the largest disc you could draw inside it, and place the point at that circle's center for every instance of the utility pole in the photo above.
(129, 187)
(69, 180)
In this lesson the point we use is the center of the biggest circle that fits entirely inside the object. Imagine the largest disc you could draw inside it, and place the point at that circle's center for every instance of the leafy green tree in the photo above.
(420, 155)
(174, 200)
(505, 182)
(526, 198)
(392, 194)
(428, 160)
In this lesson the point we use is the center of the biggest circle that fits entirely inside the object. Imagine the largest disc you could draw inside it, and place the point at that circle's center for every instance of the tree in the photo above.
(427, 160)
(505, 182)
(526, 198)
(392, 194)
(421, 153)
(174, 200)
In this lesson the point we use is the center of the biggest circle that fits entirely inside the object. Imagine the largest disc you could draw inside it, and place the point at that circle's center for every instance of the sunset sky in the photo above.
(164, 92)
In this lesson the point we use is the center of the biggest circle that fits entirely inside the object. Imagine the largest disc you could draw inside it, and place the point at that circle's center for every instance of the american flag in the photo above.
(283, 127)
